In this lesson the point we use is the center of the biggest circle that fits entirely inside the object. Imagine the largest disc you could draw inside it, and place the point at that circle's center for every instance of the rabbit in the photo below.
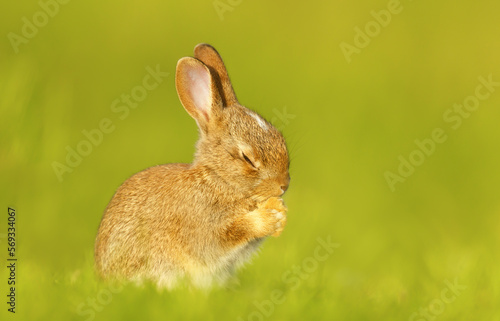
(199, 222)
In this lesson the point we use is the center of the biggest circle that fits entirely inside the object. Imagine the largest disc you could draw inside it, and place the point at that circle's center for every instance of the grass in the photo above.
(347, 125)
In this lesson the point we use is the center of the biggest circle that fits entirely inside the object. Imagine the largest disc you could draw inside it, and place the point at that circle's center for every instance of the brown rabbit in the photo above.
(199, 221)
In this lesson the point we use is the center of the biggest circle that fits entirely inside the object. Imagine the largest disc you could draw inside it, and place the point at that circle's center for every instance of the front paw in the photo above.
(270, 217)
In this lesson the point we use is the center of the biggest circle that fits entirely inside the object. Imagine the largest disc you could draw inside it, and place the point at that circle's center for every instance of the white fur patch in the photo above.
(259, 120)
(279, 215)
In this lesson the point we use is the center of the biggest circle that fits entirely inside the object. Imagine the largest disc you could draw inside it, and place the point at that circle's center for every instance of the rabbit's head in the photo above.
(236, 145)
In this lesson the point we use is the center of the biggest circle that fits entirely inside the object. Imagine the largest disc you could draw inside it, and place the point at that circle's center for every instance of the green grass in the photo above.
(347, 125)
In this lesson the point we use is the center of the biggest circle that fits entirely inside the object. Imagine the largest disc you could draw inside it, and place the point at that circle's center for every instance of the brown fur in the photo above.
(200, 220)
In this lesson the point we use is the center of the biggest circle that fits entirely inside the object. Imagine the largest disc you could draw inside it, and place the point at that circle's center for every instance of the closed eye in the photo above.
(245, 157)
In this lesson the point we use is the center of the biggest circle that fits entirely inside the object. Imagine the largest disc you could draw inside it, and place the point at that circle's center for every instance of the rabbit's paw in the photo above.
(270, 217)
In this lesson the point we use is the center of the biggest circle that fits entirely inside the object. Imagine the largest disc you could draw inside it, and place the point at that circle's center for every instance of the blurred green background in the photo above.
(346, 123)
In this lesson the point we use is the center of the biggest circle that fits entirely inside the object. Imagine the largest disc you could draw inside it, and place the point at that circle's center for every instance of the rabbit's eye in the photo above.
(245, 157)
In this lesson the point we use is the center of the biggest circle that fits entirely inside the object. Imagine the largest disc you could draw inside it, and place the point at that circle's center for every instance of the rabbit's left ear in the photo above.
(197, 91)
(210, 57)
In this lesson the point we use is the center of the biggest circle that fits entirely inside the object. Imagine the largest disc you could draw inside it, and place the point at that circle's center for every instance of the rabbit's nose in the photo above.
(284, 185)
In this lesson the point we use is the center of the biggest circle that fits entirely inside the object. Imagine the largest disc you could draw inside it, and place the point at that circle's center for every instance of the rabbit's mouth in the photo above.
(262, 194)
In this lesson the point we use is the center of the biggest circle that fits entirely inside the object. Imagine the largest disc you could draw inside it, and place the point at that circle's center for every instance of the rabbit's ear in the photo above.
(212, 59)
(197, 91)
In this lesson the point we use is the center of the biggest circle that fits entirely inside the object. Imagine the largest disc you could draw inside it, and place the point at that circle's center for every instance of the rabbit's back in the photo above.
(151, 221)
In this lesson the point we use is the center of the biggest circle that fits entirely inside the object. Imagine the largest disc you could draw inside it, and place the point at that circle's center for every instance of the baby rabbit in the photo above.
(199, 221)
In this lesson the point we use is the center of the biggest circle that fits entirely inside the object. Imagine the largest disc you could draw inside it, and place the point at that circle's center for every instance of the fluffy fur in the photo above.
(199, 221)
